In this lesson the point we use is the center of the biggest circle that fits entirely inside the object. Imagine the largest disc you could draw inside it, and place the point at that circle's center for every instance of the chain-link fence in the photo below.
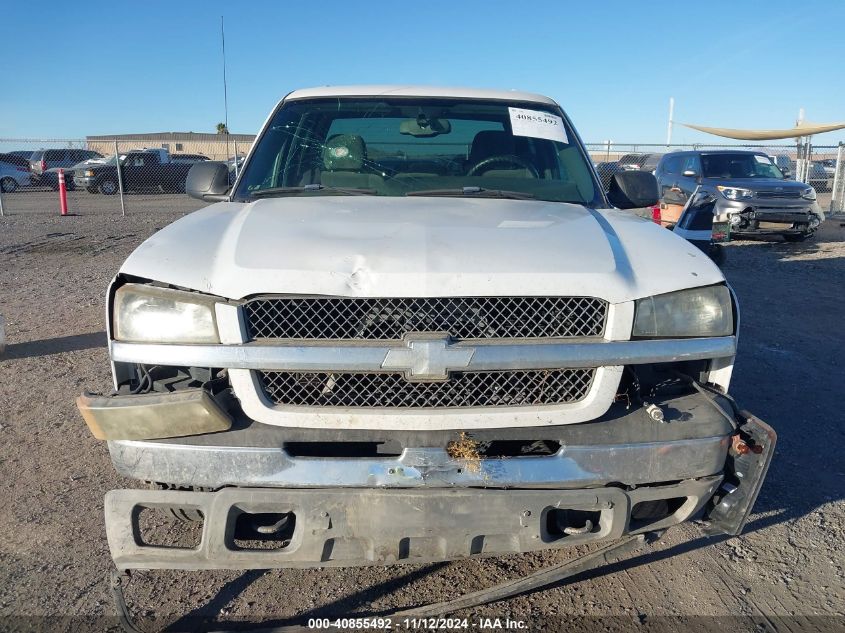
(153, 168)
(109, 175)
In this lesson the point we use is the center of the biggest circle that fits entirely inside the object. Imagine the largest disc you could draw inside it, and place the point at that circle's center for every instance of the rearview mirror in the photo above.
(208, 180)
(633, 190)
(423, 127)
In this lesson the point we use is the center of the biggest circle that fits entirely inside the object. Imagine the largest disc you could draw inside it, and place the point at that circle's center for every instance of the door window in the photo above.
(692, 163)
(672, 165)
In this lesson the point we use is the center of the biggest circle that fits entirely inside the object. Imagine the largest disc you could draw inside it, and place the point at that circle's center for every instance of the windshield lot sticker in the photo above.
(537, 124)
(763, 159)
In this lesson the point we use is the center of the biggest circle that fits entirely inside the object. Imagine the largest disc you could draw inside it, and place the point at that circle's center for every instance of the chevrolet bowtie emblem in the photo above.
(427, 357)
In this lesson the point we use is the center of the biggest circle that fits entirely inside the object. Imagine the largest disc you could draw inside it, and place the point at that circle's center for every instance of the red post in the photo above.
(62, 192)
(656, 216)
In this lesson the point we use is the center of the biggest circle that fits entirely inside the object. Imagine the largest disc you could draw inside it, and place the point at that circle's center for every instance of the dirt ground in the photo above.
(787, 571)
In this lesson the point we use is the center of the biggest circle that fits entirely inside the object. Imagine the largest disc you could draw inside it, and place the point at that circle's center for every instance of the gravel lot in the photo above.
(787, 570)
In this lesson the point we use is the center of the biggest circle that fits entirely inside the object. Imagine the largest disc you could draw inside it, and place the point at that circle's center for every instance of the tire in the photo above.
(796, 237)
(8, 184)
(108, 187)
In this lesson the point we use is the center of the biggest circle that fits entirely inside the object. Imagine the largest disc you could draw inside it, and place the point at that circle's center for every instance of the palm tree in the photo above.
(222, 129)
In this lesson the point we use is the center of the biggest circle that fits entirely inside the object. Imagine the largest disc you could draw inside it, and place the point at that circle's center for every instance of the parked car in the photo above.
(140, 170)
(13, 176)
(744, 188)
(640, 162)
(14, 159)
(356, 366)
(44, 164)
(188, 158)
(818, 177)
(23, 153)
(829, 166)
(51, 176)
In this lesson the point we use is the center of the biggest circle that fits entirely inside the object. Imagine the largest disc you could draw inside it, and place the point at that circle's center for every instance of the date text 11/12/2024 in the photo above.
(414, 624)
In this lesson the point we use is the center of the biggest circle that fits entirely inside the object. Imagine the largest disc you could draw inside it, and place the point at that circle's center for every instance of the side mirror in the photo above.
(633, 190)
(689, 173)
(208, 180)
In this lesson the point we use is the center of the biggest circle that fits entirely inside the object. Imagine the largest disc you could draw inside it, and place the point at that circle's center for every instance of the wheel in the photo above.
(108, 187)
(8, 184)
(504, 159)
(796, 237)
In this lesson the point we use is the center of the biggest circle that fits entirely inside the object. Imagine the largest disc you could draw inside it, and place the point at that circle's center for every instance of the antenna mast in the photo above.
(225, 93)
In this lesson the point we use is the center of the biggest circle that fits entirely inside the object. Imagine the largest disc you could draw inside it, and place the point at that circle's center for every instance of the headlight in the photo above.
(735, 193)
(161, 315)
(809, 194)
(89, 173)
(696, 312)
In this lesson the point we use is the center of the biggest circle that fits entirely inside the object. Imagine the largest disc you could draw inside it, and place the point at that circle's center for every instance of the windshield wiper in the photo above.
(475, 192)
(281, 191)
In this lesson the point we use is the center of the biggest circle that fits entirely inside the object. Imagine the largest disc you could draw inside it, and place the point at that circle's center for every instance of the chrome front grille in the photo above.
(390, 319)
(463, 389)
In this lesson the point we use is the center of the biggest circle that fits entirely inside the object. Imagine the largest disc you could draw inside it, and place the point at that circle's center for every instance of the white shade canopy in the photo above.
(802, 129)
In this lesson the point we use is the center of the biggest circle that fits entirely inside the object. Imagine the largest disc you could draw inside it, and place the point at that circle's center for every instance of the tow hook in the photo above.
(654, 412)
(584, 529)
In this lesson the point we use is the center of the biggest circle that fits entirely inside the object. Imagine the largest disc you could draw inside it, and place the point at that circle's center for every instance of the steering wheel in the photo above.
(502, 159)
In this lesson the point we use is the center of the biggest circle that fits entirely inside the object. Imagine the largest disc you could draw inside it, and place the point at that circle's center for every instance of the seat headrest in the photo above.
(489, 143)
(344, 152)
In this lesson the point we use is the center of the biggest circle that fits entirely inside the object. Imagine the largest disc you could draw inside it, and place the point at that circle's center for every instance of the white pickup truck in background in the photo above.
(415, 329)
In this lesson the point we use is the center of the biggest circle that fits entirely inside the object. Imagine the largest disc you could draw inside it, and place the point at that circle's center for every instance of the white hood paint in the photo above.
(367, 246)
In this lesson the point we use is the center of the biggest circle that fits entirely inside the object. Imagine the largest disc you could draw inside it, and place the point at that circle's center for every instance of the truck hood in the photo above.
(404, 247)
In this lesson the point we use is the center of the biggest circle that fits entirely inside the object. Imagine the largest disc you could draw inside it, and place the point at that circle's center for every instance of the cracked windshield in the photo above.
(419, 147)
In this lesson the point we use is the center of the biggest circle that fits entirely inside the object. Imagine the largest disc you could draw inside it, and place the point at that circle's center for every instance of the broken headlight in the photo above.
(695, 312)
(160, 315)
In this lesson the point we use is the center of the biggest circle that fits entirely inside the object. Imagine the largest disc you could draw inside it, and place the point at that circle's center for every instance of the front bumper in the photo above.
(761, 217)
(425, 505)
(623, 446)
(335, 528)
(84, 182)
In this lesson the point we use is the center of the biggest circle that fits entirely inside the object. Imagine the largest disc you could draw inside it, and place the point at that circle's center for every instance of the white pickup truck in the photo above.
(416, 329)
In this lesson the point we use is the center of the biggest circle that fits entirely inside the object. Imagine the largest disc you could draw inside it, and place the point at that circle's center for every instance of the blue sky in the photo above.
(128, 67)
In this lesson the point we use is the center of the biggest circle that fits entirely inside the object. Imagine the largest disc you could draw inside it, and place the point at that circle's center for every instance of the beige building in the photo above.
(215, 146)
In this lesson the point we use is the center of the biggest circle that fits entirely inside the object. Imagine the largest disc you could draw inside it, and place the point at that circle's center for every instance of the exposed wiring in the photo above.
(635, 383)
(709, 393)
(145, 384)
